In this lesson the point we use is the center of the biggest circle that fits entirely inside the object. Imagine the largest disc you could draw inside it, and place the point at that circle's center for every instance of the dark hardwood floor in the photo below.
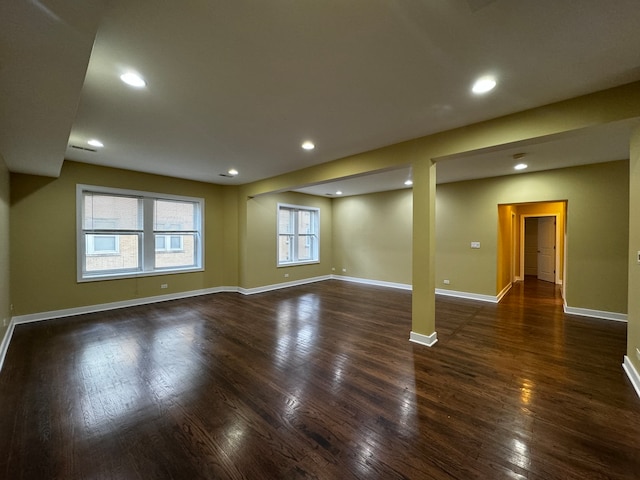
(320, 382)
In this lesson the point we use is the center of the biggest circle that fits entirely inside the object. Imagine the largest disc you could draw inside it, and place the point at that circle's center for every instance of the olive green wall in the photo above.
(467, 212)
(369, 235)
(597, 230)
(260, 253)
(372, 236)
(43, 234)
(230, 232)
(5, 291)
(633, 328)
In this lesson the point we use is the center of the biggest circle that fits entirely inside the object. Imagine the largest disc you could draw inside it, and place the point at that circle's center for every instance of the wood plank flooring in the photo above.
(320, 382)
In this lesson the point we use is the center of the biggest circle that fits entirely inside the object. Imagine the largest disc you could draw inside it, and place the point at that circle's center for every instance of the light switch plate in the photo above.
(475, 244)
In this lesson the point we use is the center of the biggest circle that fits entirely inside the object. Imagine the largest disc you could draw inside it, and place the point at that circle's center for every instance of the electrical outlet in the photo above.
(638, 353)
(164, 285)
(475, 244)
(333, 269)
(4, 322)
(286, 275)
(344, 270)
(446, 282)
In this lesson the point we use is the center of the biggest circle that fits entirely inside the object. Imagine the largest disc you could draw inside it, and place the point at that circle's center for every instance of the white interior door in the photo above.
(547, 249)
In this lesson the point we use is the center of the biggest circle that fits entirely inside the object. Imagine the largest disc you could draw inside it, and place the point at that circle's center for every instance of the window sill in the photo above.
(125, 275)
(296, 264)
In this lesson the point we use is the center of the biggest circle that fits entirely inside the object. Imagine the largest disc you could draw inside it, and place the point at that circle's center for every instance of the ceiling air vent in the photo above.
(83, 148)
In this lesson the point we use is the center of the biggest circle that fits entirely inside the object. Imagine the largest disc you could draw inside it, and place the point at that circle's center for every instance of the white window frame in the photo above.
(91, 248)
(167, 242)
(295, 261)
(147, 235)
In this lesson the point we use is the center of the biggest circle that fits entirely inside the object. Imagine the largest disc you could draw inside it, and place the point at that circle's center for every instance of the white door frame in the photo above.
(514, 227)
(558, 242)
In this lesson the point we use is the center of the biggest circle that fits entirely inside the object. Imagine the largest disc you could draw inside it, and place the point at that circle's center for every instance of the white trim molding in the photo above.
(4, 346)
(585, 312)
(69, 312)
(376, 283)
(278, 286)
(504, 291)
(467, 295)
(427, 340)
(632, 373)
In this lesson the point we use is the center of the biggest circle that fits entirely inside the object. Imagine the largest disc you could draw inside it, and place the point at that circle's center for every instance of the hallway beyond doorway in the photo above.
(533, 289)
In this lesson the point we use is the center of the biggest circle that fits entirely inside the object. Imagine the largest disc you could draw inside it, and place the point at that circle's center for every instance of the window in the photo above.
(168, 243)
(103, 245)
(124, 233)
(298, 235)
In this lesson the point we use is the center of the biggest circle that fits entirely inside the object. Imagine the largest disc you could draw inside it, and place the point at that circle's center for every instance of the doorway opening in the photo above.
(532, 248)
(538, 251)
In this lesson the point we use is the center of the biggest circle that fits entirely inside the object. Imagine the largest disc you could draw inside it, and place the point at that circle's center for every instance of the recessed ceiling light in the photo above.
(339, 192)
(408, 183)
(483, 85)
(521, 166)
(133, 79)
(95, 143)
(308, 145)
(233, 172)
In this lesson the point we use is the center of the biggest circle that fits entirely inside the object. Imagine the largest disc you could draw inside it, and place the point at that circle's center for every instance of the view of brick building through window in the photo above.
(174, 249)
(114, 233)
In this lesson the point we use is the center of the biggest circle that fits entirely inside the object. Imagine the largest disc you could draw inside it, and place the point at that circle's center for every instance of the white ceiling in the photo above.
(240, 84)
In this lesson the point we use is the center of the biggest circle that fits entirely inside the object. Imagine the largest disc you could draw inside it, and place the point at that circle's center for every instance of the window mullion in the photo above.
(295, 234)
(148, 249)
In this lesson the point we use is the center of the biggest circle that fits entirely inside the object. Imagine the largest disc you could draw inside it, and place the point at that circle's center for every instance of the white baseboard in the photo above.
(632, 373)
(504, 291)
(585, 312)
(427, 340)
(69, 312)
(278, 286)
(467, 295)
(4, 346)
(377, 283)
